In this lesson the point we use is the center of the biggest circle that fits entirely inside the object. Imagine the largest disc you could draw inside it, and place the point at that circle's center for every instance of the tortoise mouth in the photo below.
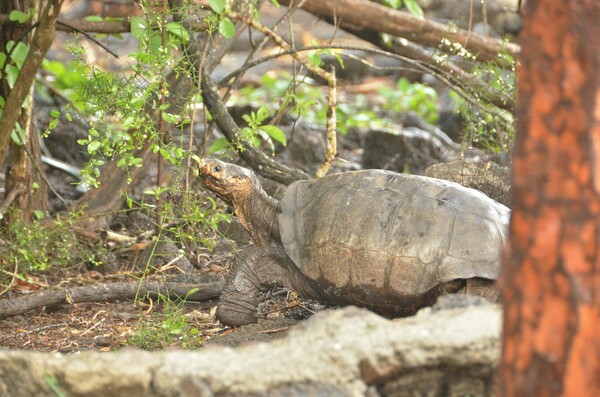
(215, 185)
(208, 179)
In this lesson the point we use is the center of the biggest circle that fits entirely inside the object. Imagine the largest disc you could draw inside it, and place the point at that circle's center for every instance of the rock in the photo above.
(408, 149)
(486, 176)
(306, 149)
(346, 352)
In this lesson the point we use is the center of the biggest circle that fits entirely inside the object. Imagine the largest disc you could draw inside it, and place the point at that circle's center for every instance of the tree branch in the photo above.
(256, 159)
(356, 14)
(39, 44)
(108, 293)
(108, 27)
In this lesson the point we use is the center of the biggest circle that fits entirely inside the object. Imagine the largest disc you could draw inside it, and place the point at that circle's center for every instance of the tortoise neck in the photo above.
(258, 214)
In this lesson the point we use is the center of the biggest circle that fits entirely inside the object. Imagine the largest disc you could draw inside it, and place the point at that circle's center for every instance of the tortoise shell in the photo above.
(381, 238)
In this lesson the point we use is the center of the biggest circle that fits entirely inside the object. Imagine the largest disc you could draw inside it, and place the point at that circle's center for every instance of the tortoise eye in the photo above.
(217, 168)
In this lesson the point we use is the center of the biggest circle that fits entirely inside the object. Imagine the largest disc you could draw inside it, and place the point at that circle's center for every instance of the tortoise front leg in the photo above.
(254, 269)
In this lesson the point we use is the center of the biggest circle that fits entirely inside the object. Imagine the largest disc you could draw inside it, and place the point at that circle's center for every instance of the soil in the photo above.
(112, 326)
(106, 326)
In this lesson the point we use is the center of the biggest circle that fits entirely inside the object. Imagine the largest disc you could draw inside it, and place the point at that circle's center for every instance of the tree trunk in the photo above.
(551, 281)
(24, 171)
(25, 158)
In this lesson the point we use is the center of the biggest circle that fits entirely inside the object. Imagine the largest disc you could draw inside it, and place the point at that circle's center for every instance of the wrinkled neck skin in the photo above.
(258, 213)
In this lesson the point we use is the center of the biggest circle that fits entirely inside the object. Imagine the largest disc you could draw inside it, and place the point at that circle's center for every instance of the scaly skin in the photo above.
(239, 188)
(258, 267)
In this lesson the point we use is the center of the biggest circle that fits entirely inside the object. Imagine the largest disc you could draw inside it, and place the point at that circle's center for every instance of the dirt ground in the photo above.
(106, 326)
(110, 326)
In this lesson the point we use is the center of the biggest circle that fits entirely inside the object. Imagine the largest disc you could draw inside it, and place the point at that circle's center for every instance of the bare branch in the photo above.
(365, 14)
(107, 293)
(259, 161)
(329, 77)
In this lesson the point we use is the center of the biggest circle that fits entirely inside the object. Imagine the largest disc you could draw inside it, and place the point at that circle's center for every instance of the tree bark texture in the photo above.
(40, 41)
(24, 164)
(109, 292)
(365, 14)
(551, 281)
(25, 168)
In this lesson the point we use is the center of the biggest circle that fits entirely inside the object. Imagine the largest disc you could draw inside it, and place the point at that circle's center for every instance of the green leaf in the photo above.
(55, 67)
(19, 53)
(128, 122)
(254, 141)
(395, 4)
(11, 75)
(262, 114)
(141, 56)
(275, 133)
(414, 8)
(54, 113)
(178, 30)
(217, 6)
(93, 147)
(315, 59)
(136, 161)
(39, 214)
(16, 136)
(18, 16)
(53, 123)
(226, 28)
(165, 153)
(218, 145)
(2, 59)
(170, 118)
(154, 43)
(138, 27)
(94, 18)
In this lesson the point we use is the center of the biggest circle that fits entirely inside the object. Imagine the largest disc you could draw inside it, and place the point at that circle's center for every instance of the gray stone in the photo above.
(346, 352)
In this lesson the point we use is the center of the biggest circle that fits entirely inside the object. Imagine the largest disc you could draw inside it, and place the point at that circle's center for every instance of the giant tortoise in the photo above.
(389, 242)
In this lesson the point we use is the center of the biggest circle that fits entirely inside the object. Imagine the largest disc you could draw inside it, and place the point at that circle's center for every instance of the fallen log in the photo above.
(109, 292)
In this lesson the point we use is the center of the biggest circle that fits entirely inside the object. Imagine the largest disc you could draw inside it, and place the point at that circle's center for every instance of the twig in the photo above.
(86, 34)
(45, 327)
(367, 15)
(444, 70)
(93, 327)
(109, 292)
(12, 279)
(273, 330)
(331, 140)
(10, 197)
(256, 159)
(329, 77)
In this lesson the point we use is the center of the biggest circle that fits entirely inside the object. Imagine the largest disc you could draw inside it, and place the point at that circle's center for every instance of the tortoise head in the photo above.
(231, 183)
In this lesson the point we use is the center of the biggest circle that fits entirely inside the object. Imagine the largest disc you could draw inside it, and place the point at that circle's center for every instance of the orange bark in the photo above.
(551, 280)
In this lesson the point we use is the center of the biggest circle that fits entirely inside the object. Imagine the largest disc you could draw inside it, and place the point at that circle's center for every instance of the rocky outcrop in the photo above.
(346, 352)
